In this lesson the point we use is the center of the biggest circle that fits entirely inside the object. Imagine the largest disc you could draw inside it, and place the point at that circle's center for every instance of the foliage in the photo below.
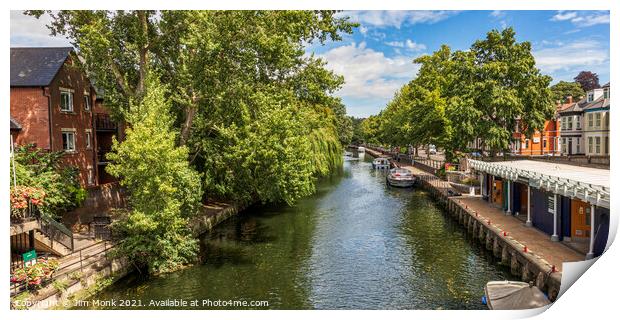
(164, 190)
(563, 89)
(43, 182)
(457, 97)
(225, 71)
(587, 80)
(34, 275)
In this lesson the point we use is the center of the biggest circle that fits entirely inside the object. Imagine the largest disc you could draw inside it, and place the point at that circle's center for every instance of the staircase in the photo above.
(53, 236)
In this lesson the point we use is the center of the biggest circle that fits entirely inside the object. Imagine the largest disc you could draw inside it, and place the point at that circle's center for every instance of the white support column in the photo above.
(528, 223)
(590, 254)
(508, 198)
(555, 237)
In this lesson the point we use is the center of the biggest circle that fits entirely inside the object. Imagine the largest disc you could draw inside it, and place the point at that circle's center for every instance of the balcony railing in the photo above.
(103, 122)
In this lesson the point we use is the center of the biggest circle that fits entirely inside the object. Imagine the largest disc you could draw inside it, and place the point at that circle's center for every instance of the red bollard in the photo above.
(525, 249)
(505, 234)
(489, 222)
(553, 269)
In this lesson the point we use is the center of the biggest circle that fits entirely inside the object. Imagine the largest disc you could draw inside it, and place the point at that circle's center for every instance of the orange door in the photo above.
(498, 192)
(580, 219)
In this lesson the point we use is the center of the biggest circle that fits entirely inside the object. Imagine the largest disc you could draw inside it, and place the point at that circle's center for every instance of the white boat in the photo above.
(348, 154)
(381, 163)
(401, 177)
(361, 149)
(513, 295)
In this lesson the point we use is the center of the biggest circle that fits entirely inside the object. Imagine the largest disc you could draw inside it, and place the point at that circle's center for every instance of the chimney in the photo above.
(570, 99)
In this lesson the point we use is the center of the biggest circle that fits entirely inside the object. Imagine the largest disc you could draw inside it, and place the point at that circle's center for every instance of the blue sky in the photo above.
(376, 60)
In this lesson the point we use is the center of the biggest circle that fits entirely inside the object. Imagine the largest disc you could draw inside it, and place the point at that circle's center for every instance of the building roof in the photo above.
(588, 184)
(597, 104)
(606, 85)
(15, 125)
(35, 67)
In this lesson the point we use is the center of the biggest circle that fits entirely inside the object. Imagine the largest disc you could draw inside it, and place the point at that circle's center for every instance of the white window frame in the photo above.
(69, 132)
(577, 145)
(590, 145)
(87, 106)
(563, 124)
(90, 178)
(69, 93)
(590, 120)
(597, 144)
(89, 139)
(597, 119)
(577, 122)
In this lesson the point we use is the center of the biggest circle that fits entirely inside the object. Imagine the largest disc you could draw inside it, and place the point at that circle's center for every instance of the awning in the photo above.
(587, 184)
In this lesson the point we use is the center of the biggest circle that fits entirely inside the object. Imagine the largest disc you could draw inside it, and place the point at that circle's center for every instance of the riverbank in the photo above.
(95, 270)
(530, 255)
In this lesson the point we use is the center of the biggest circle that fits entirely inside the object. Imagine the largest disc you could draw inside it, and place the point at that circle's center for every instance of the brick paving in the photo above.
(537, 242)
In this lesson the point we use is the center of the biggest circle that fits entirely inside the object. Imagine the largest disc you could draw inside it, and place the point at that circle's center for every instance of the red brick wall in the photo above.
(71, 77)
(29, 107)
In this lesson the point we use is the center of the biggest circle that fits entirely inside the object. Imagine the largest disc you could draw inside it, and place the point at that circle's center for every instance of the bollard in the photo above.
(525, 249)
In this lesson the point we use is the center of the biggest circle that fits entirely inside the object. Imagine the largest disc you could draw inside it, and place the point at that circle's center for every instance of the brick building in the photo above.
(52, 105)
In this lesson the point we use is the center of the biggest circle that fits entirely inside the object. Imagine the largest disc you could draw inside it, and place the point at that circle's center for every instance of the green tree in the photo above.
(164, 190)
(563, 89)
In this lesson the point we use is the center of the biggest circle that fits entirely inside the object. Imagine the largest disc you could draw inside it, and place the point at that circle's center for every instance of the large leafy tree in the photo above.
(588, 80)
(564, 89)
(216, 64)
(164, 190)
(482, 93)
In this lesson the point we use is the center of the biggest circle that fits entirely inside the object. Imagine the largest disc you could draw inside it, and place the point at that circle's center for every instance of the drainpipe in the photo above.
(590, 254)
(528, 223)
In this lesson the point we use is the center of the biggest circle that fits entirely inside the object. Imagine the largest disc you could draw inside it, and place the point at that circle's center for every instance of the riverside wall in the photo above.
(523, 263)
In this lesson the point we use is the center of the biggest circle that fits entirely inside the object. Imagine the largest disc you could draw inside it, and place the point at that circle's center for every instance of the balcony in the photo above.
(103, 122)
(101, 156)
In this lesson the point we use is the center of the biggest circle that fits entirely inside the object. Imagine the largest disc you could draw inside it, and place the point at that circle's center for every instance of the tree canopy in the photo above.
(588, 80)
(564, 89)
(457, 97)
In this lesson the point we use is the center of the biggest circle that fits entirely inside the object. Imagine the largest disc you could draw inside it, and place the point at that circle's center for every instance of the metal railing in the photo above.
(72, 263)
(56, 231)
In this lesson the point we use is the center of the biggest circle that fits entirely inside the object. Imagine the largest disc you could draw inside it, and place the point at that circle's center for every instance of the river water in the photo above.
(355, 244)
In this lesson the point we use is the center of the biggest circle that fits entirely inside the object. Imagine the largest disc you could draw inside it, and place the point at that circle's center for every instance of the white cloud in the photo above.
(562, 16)
(574, 55)
(363, 30)
(30, 31)
(386, 18)
(369, 74)
(408, 44)
(582, 19)
(497, 14)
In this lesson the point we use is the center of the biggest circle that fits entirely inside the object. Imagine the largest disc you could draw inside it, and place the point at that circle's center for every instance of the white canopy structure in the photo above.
(587, 184)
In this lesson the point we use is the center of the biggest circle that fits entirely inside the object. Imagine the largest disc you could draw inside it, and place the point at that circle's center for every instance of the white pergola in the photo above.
(587, 184)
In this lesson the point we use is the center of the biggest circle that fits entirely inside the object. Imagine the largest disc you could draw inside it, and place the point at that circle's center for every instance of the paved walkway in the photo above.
(537, 242)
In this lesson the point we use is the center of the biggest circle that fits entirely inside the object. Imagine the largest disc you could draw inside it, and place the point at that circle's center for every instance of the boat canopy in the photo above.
(514, 295)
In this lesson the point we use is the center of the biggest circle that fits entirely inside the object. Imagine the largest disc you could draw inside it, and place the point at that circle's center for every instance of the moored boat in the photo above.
(513, 295)
(361, 149)
(401, 177)
(381, 163)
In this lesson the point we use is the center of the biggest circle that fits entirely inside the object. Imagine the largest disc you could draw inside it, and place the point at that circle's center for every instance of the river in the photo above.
(355, 244)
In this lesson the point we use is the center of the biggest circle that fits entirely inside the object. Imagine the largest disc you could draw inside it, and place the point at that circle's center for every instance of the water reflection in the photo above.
(355, 244)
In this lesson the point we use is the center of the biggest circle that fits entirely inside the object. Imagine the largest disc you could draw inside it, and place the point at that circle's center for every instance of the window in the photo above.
(527, 143)
(577, 122)
(598, 145)
(606, 93)
(91, 176)
(569, 124)
(590, 97)
(551, 203)
(598, 120)
(577, 145)
(68, 141)
(606, 120)
(606, 145)
(590, 145)
(544, 143)
(66, 101)
(87, 102)
(590, 120)
(564, 145)
(563, 123)
(88, 140)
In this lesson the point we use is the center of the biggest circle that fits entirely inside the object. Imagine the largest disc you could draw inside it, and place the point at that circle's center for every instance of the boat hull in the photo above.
(401, 183)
